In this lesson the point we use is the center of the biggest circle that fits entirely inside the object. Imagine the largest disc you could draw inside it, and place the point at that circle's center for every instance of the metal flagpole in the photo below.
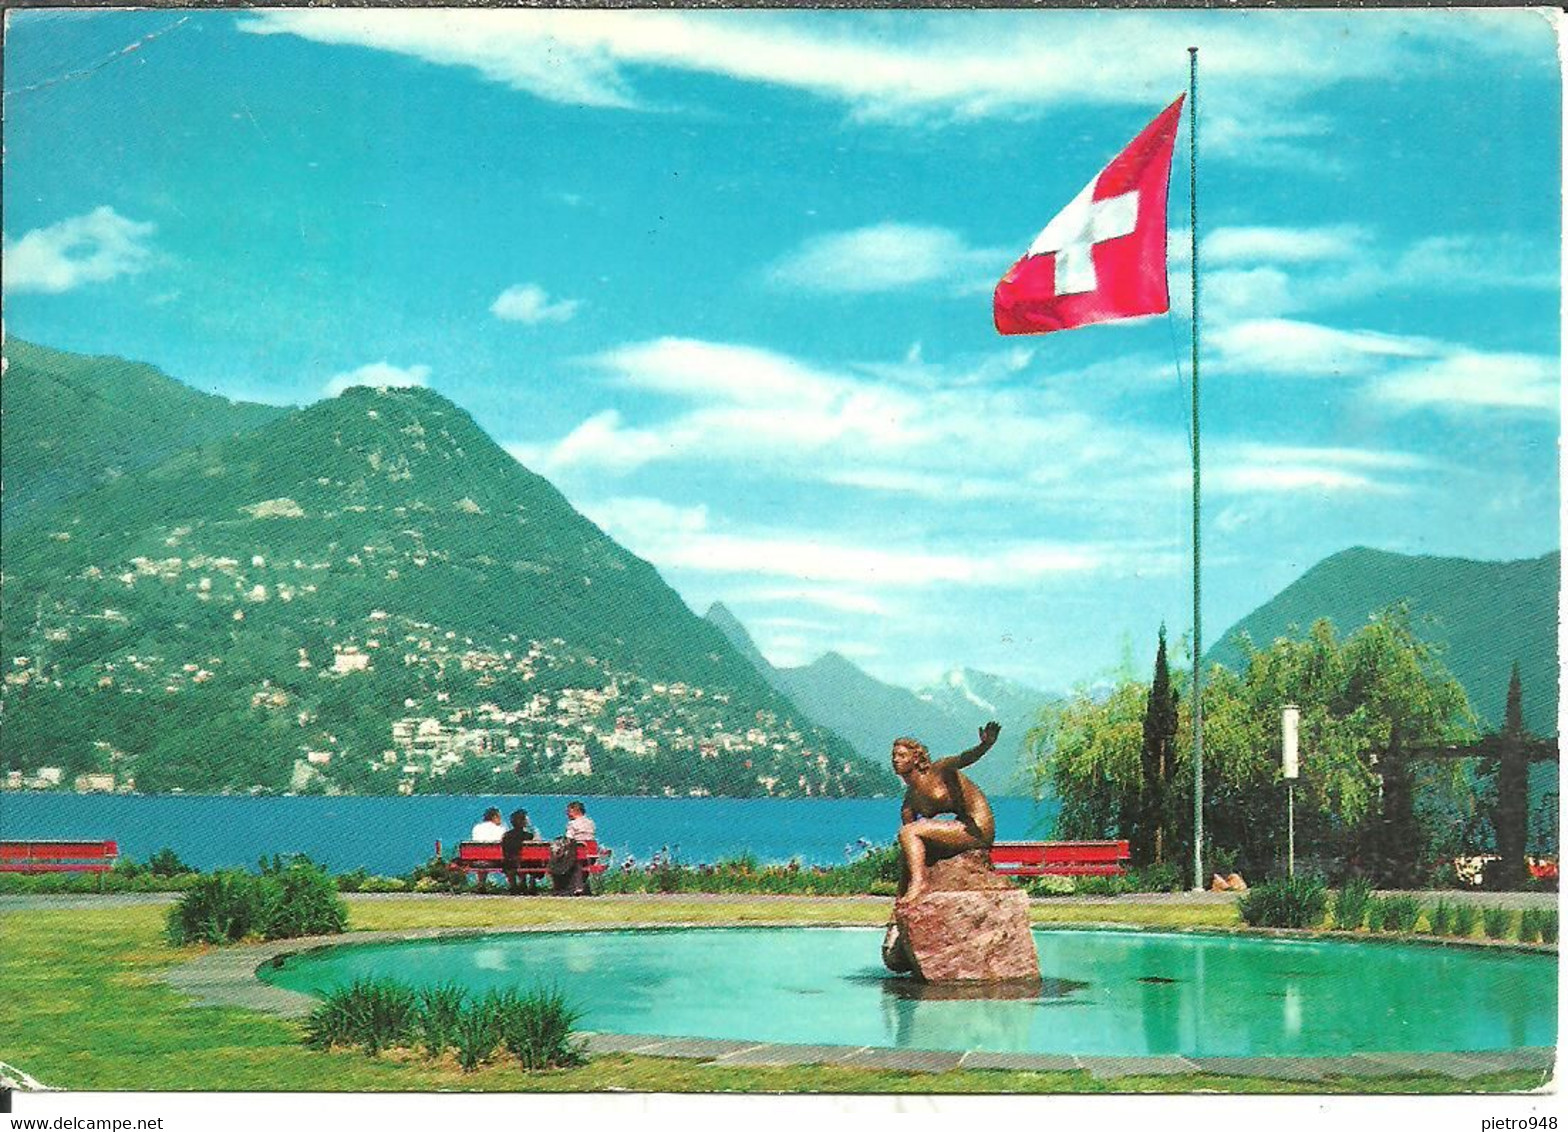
(1197, 610)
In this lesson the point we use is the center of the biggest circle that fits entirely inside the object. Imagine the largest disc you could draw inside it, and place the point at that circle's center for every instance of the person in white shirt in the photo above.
(579, 826)
(490, 828)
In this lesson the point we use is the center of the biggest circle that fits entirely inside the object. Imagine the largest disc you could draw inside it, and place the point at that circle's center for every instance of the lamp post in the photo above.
(1290, 728)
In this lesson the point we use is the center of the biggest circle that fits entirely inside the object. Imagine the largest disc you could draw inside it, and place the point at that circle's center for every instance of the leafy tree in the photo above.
(1365, 701)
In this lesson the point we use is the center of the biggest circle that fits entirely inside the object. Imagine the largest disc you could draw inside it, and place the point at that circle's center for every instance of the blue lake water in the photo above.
(391, 835)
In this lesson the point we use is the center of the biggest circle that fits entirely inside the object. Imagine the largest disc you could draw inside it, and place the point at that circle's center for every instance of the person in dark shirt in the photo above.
(511, 850)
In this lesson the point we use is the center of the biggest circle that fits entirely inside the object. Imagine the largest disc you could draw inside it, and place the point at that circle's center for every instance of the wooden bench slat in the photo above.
(57, 856)
(1060, 858)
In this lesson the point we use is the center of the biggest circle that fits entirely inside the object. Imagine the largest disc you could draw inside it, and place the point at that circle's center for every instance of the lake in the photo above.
(389, 836)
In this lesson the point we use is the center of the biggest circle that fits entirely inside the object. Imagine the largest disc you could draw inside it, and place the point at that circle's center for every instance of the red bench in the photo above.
(1060, 858)
(484, 858)
(58, 856)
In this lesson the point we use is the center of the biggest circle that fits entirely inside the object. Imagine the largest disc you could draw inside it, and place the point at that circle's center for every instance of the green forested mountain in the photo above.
(837, 694)
(370, 594)
(1483, 616)
(72, 422)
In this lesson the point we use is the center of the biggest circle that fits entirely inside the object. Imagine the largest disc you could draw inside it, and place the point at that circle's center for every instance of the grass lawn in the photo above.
(86, 1010)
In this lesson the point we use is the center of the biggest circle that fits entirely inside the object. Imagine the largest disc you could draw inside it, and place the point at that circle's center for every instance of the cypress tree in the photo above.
(1153, 839)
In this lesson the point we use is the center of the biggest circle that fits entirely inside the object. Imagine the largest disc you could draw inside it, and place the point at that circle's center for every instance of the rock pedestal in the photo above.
(969, 925)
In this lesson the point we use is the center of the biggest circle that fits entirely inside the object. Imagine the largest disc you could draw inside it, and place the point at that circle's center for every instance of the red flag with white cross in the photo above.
(1103, 256)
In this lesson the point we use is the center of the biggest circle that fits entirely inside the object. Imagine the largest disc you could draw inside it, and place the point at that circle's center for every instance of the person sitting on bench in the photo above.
(566, 869)
(511, 852)
(489, 830)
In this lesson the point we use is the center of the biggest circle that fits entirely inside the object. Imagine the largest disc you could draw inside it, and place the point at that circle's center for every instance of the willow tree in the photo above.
(1364, 699)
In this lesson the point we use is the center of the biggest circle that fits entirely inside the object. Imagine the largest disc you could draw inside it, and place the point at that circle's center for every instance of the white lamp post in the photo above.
(1290, 727)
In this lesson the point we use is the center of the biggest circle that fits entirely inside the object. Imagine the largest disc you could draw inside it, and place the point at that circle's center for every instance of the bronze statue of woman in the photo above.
(939, 788)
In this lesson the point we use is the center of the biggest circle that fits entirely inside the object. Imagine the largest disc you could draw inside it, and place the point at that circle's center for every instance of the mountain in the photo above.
(1483, 616)
(836, 694)
(371, 595)
(72, 422)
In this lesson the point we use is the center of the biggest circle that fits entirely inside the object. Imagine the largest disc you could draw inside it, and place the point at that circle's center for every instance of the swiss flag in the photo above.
(1103, 256)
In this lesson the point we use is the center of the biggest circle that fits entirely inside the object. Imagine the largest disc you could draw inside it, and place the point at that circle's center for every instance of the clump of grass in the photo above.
(475, 1037)
(1440, 920)
(285, 902)
(379, 1014)
(1495, 922)
(1350, 904)
(375, 1014)
(1399, 913)
(1465, 916)
(536, 1028)
(1296, 902)
(440, 1009)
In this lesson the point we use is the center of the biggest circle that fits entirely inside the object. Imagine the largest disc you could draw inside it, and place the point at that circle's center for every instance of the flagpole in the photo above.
(1197, 480)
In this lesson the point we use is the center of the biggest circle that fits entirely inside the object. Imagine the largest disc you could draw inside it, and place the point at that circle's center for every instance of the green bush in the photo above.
(1351, 903)
(1399, 913)
(384, 884)
(375, 1014)
(1100, 886)
(1465, 916)
(1548, 925)
(229, 905)
(1440, 920)
(1530, 925)
(1495, 922)
(166, 863)
(1051, 886)
(1164, 877)
(1298, 902)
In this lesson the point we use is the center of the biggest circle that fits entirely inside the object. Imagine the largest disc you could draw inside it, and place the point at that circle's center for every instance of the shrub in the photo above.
(1164, 877)
(1351, 903)
(353, 881)
(229, 905)
(375, 1014)
(306, 903)
(536, 1028)
(1530, 925)
(1400, 913)
(1101, 886)
(1297, 902)
(1465, 916)
(224, 907)
(166, 863)
(1548, 923)
(1051, 886)
(1495, 922)
(384, 884)
(1440, 920)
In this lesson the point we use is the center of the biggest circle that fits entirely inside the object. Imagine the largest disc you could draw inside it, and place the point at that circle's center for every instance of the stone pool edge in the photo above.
(229, 976)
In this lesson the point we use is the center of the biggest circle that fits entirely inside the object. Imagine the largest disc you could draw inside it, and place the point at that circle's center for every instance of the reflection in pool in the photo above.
(1105, 992)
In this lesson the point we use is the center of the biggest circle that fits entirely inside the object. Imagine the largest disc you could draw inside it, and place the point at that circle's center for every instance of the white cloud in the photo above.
(1465, 379)
(1287, 346)
(92, 248)
(954, 64)
(884, 257)
(681, 539)
(529, 303)
(762, 412)
(377, 375)
(1267, 245)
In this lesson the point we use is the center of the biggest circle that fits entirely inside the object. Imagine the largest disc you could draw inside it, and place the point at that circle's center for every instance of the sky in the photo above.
(724, 278)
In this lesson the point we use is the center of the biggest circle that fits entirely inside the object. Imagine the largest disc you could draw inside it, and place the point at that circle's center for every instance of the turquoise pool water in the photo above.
(1104, 992)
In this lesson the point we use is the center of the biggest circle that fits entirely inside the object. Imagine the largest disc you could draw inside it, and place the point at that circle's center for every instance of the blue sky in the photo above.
(724, 278)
